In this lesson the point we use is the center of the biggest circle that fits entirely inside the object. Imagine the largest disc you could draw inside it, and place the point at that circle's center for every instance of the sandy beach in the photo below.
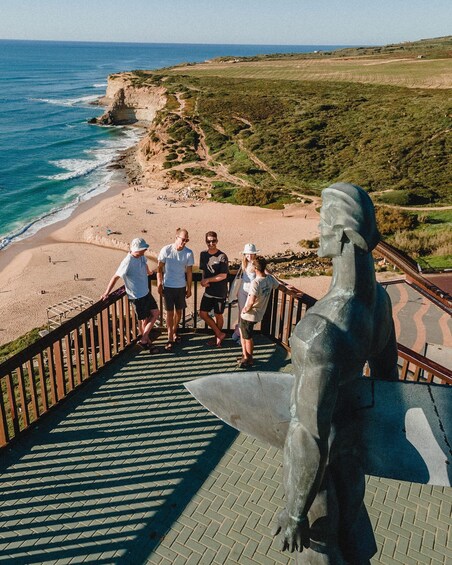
(40, 271)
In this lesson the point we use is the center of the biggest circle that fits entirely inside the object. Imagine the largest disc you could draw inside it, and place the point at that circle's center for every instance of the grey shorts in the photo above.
(174, 298)
(247, 328)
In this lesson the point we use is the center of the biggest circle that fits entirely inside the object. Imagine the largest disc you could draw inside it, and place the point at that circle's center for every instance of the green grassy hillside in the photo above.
(311, 134)
(286, 126)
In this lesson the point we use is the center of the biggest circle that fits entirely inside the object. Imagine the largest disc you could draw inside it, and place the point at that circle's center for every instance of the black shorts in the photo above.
(209, 303)
(247, 328)
(174, 298)
(144, 305)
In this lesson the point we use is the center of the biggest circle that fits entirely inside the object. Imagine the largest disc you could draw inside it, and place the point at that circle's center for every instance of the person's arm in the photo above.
(189, 272)
(249, 303)
(252, 297)
(110, 286)
(160, 269)
(316, 358)
(216, 278)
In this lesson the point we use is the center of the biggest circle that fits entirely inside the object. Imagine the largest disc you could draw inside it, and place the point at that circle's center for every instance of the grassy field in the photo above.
(421, 64)
(407, 72)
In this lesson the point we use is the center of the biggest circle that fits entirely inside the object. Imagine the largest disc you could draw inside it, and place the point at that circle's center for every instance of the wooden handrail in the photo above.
(431, 368)
(414, 278)
(40, 376)
(289, 305)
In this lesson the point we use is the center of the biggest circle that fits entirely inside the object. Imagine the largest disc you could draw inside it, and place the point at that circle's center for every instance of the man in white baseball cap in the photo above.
(134, 271)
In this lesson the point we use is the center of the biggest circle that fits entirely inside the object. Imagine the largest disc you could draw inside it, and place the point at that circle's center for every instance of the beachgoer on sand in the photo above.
(258, 296)
(134, 271)
(214, 266)
(174, 280)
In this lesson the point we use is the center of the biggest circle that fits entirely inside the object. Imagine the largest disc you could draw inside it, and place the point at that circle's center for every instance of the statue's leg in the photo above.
(324, 521)
(356, 537)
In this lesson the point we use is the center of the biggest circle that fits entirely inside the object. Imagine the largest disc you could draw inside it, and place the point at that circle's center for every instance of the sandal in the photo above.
(153, 349)
(244, 363)
(177, 339)
(169, 346)
(142, 345)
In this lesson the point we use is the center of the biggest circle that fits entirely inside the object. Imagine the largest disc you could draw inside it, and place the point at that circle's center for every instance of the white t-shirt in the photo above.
(261, 288)
(176, 263)
(134, 273)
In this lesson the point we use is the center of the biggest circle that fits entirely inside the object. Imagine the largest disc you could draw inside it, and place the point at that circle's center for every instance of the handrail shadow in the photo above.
(105, 477)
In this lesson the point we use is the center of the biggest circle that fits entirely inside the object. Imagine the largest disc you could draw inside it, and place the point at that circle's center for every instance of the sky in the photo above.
(271, 22)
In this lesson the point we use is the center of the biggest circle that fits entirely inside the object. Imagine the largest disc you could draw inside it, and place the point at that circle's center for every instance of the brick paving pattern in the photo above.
(418, 320)
(132, 470)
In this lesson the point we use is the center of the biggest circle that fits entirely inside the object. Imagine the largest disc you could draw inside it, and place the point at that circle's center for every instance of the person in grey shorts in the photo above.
(134, 271)
(174, 280)
(253, 312)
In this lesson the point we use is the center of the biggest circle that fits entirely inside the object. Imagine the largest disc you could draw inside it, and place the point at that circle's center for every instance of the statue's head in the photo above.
(347, 215)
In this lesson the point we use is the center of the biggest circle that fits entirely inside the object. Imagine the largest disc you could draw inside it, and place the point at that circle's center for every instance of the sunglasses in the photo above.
(209, 241)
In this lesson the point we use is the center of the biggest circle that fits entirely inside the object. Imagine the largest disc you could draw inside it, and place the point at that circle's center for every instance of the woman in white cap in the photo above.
(248, 274)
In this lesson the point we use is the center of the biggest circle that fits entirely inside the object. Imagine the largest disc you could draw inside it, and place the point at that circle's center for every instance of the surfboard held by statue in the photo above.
(403, 430)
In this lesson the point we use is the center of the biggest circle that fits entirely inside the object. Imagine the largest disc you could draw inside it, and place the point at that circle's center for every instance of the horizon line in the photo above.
(192, 43)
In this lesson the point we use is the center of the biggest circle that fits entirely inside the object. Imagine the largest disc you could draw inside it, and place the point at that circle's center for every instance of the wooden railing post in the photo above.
(12, 404)
(4, 434)
(266, 320)
(59, 370)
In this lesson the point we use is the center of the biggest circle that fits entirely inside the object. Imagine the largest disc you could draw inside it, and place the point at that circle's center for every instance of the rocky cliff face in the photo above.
(130, 103)
(132, 98)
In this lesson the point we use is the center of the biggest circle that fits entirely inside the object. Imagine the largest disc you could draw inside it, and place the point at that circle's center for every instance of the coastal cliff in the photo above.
(133, 99)
(128, 103)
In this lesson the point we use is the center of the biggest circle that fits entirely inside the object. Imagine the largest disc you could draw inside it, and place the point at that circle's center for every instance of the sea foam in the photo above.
(81, 100)
(97, 180)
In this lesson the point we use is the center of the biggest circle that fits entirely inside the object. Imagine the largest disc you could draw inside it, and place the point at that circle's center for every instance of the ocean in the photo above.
(51, 159)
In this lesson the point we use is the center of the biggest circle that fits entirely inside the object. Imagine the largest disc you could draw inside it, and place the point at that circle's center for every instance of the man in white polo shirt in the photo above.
(174, 279)
(134, 271)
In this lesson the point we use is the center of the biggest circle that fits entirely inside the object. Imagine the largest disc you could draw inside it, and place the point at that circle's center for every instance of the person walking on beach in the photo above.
(247, 274)
(174, 280)
(134, 271)
(214, 266)
(258, 296)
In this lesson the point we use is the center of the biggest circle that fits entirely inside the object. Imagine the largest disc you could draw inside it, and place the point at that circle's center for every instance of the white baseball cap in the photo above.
(250, 249)
(138, 244)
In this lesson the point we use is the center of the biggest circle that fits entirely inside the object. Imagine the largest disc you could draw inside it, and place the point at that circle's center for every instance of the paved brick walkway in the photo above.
(132, 470)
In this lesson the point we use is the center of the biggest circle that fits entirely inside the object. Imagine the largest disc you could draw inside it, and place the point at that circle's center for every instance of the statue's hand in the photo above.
(293, 533)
